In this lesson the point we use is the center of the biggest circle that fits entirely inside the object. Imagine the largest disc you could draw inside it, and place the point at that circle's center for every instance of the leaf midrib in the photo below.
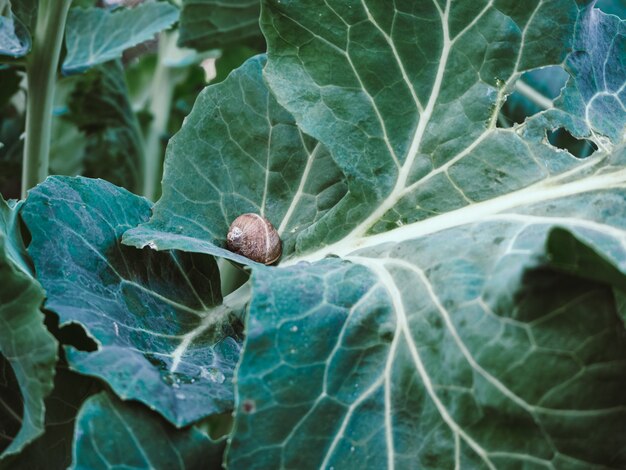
(545, 190)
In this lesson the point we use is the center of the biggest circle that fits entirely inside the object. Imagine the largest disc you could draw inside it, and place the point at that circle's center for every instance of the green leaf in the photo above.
(111, 433)
(94, 35)
(99, 107)
(28, 352)
(207, 24)
(162, 337)
(14, 38)
(267, 166)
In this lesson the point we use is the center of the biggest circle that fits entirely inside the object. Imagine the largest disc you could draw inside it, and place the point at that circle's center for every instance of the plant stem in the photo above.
(160, 107)
(41, 70)
(232, 276)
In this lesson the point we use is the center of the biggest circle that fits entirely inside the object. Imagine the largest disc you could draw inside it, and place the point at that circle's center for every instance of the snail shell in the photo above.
(254, 237)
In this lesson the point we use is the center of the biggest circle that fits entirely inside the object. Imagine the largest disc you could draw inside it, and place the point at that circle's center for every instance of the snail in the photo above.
(254, 237)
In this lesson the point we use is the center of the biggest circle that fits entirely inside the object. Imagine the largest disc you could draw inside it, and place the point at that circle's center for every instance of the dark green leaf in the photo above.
(95, 35)
(162, 337)
(115, 434)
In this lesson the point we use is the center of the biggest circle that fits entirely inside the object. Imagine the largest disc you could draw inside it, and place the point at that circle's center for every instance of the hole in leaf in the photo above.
(534, 91)
(72, 334)
(217, 426)
(11, 404)
(580, 148)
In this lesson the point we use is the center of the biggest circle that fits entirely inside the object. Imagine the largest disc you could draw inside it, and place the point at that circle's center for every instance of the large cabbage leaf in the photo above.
(475, 316)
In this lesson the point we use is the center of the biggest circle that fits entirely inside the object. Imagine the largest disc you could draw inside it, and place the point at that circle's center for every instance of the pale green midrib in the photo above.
(300, 191)
(545, 190)
(416, 140)
(388, 283)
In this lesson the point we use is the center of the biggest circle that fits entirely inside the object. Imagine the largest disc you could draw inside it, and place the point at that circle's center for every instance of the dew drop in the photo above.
(180, 396)
(294, 329)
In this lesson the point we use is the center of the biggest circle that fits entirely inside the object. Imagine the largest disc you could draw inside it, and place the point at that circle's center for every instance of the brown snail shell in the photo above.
(254, 237)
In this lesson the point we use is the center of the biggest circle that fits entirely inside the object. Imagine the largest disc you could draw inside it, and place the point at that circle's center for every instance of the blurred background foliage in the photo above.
(109, 118)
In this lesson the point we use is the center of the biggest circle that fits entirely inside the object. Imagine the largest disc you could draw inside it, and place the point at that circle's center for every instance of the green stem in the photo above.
(160, 107)
(41, 70)
(232, 276)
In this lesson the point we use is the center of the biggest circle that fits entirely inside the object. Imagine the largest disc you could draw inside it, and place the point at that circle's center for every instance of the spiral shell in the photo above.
(254, 237)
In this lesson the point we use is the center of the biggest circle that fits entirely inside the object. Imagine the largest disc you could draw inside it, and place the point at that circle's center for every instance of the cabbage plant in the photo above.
(452, 287)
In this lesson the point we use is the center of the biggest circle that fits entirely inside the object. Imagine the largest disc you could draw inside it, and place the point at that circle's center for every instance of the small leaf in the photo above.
(114, 434)
(208, 24)
(162, 336)
(95, 35)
